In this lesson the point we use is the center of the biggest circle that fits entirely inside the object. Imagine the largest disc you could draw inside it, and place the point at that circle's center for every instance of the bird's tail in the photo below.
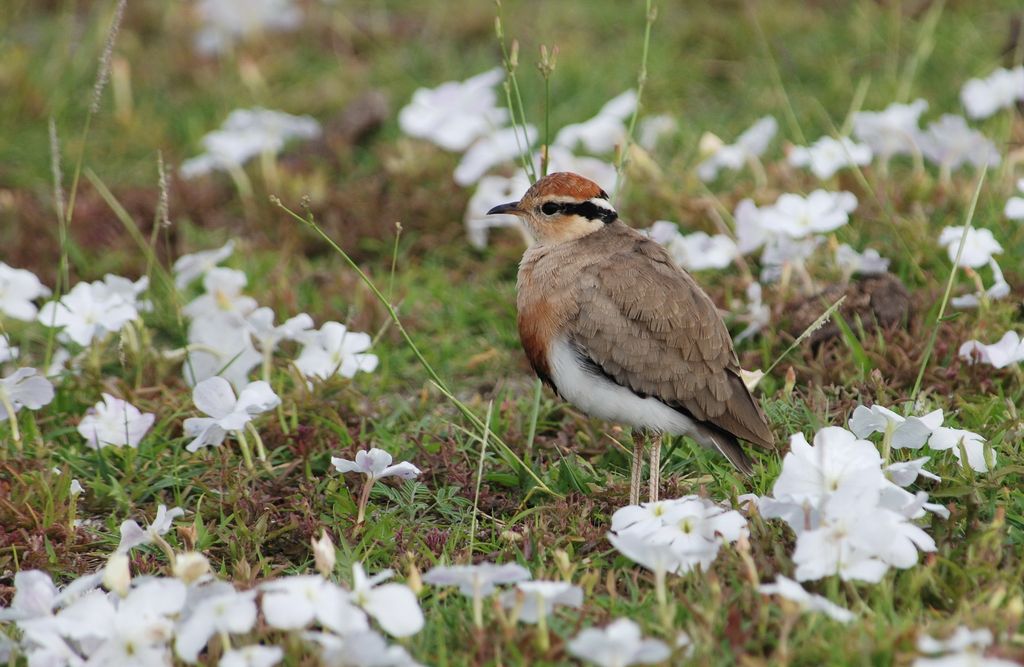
(728, 446)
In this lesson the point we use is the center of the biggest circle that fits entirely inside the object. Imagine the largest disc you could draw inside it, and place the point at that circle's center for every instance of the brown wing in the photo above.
(651, 328)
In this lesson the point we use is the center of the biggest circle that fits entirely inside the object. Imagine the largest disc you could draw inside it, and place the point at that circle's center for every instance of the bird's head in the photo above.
(561, 207)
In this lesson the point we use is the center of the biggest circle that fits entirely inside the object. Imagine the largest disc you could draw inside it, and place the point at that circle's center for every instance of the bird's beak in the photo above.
(511, 208)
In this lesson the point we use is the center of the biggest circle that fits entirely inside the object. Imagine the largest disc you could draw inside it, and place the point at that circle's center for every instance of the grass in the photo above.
(709, 67)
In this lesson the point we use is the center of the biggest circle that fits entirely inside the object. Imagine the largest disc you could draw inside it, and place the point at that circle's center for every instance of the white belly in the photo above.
(598, 396)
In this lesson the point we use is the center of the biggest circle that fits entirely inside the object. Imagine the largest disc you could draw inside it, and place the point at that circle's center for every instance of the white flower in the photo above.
(617, 645)
(227, 613)
(677, 535)
(657, 556)
(252, 656)
(695, 528)
(126, 290)
(756, 315)
(114, 422)
(225, 22)
(1008, 350)
(537, 598)
(476, 580)
(904, 473)
(34, 596)
(962, 639)
(24, 388)
(979, 246)
(393, 606)
(1000, 289)
(76, 489)
(492, 190)
(950, 143)
(910, 432)
(786, 588)
(132, 534)
(603, 132)
(653, 128)
(893, 131)
(697, 251)
(827, 155)
(334, 350)
(222, 296)
(215, 397)
(781, 251)
(750, 235)
(963, 649)
(8, 352)
(375, 463)
(359, 649)
(811, 473)
(291, 603)
(857, 538)
(88, 312)
(867, 263)
(267, 336)
(1015, 205)
(18, 288)
(189, 267)
(796, 216)
(245, 134)
(999, 90)
(220, 345)
(492, 149)
(456, 113)
(749, 146)
(974, 444)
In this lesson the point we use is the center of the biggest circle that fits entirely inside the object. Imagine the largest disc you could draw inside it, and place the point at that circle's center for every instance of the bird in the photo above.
(615, 327)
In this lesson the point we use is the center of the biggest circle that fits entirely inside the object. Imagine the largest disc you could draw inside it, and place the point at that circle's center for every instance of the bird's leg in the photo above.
(637, 469)
(655, 466)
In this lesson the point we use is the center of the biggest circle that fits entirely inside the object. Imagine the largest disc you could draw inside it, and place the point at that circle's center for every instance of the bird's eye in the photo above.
(549, 208)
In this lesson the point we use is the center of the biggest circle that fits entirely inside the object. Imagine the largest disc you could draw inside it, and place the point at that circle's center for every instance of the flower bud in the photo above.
(710, 144)
(323, 554)
(116, 575)
(190, 566)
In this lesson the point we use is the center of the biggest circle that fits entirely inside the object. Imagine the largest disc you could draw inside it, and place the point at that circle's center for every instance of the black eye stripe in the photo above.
(590, 211)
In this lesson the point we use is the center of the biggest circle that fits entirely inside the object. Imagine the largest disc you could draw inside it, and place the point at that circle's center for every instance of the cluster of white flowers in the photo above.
(92, 311)
(851, 515)
(964, 647)
(245, 134)
(464, 117)
(675, 536)
(148, 621)
(747, 149)
(999, 90)
(229, 334)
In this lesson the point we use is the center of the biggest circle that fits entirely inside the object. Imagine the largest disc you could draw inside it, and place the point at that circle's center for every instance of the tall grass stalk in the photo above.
(641, 82)
(513, 98)
(949, 286)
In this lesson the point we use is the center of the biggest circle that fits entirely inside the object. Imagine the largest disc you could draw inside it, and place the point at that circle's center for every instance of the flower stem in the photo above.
(478, 604)
(543, 638)
(11, 417)
(243, 444)
(364, 499)
(261, 451)
(661, 593)
(890, 428)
